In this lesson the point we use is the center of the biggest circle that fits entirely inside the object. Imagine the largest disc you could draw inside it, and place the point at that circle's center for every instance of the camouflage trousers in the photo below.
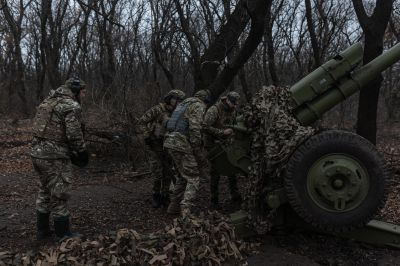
(188, 181)
(54, 185)
(204, 169)
(161, 168)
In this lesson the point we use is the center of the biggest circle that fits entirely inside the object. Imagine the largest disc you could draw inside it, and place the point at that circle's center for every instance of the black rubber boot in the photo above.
(62, 228)
(43, 226)
(156, 200)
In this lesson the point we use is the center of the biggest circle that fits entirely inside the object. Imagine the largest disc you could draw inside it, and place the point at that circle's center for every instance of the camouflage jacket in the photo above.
(215, 119)
(57, 126)
(187, 142)
(152, 123)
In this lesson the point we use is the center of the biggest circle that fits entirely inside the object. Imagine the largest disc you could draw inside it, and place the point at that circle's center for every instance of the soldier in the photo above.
(152, 125)
(184, 143)
(57, 142)
(217, 116)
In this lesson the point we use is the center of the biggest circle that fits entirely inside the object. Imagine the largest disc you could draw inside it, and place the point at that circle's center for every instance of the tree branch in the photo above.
(105, 16)
(360, 12)
(257, 13)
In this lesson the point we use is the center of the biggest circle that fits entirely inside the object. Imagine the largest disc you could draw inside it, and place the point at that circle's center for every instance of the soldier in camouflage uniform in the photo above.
(152, 125)
(216, 118)
(184, 143)
(57, 142)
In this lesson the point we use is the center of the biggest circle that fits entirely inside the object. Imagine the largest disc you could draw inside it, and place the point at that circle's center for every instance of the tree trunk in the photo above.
(224, 42)
(17, 95)
(257, 11)
(270, 45)
(313, 36)
(374, 28)
(45, 12)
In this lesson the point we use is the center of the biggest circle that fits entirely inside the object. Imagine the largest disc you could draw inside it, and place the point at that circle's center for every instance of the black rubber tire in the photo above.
(331, 142)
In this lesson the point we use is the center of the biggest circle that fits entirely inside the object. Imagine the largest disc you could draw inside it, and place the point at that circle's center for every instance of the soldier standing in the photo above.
(216, 118)
(152, 125)
(184, 143)
(57, 142)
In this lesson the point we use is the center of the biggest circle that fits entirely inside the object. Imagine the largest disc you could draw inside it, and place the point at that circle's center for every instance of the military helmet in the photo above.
(233, 97)
(178, 94)
(75, 84)
(203, 95)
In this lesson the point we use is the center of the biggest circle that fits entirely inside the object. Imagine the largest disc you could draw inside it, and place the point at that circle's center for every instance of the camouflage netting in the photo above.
(275, 135)
(189, 240)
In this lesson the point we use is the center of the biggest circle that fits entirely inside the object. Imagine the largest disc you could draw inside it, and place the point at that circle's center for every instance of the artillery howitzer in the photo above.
(335, 180)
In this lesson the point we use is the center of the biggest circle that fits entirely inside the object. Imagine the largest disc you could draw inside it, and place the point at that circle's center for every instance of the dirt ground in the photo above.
(109, 195)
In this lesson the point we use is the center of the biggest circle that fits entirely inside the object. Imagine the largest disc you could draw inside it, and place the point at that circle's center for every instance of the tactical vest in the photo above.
(46, 124)
(178, 122)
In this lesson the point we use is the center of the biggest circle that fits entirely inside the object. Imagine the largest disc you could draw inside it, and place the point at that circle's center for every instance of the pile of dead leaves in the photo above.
(190, 240)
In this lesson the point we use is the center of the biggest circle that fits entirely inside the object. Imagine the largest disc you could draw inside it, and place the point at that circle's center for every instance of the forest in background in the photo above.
(132, 52)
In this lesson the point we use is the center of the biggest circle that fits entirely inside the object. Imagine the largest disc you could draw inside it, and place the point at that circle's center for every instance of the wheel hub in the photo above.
(337, 182)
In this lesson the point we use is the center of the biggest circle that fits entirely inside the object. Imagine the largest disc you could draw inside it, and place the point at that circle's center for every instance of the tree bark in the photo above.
(53, 42)
(224, 42)
(374, 28)
(270, 44)
(194, 50)
(17, 96)
(257, 11)
(106, 26)
(161, 15)
(79, 39)
(45, 12)
(396, 33)
(313, 35)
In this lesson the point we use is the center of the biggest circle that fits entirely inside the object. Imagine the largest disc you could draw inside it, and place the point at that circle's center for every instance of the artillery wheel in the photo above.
(335, 180)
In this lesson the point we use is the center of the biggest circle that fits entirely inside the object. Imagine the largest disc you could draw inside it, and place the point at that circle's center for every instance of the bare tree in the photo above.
(162, 35)
(131, 52)
(313, 36)
(16, 89)
(268, 45)
(206, 67)
(257, 11)
(374, 28)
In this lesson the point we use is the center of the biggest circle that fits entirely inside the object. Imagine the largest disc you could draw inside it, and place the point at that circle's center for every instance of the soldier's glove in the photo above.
(80, 159)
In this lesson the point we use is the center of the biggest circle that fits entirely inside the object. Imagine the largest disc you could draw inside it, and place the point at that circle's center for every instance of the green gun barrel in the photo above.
(311, 110)
(325, 76)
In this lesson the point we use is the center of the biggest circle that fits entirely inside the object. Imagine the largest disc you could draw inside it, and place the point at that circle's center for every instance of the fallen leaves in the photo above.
(189, 240)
